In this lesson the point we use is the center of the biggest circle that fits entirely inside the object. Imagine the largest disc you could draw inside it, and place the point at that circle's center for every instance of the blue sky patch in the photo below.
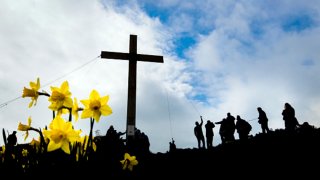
(297, 23)
(257, 29)
(154, 11)
(201, 98)
(182, 44)
(308, 63)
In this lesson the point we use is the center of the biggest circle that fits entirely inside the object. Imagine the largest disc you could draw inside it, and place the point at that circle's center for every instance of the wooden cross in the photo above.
(133, 57)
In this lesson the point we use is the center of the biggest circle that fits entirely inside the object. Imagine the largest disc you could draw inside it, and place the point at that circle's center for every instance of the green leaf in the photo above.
(4, 136)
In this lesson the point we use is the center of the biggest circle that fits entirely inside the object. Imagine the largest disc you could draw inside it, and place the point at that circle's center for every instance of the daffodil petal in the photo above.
(134, 162)
(53, 146)
(126, 156)
(86, 113)
(104, 100)
(94, 94)
(64, 86)
(57, 123)
(26, 136)
(30, 104)
(46, 133)
(132, 158)
(86, 103)
(65, 147)
(68, 102)
(38, 84)
(106, 110)
(29, 121)
(96, 115)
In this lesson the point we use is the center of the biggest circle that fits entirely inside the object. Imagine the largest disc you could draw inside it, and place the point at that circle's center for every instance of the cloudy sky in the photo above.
(219, 56)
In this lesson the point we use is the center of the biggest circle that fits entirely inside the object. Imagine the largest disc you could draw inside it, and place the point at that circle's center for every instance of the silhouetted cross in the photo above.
(133, 57)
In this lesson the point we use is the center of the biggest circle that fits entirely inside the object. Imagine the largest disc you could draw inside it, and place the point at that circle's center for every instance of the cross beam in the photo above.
(133, 57)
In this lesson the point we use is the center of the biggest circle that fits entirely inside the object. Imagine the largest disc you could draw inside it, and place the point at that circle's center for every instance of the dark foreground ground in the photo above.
(277, 154)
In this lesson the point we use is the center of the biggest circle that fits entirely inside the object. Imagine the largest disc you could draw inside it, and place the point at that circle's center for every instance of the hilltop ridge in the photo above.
(276, 154)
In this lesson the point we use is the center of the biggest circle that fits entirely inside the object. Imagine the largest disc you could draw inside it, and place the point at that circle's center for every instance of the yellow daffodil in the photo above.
(61, 134)
(60, 97)
(33, 92)
(3, 149)
(75, 109)
(128, 162)
(96, 106)
(94, 146)
(35, 143)
(23, 127)
(24, 152)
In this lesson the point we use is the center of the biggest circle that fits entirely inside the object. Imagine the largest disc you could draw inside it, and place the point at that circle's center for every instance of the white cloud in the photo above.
(49, 39)
(266, 71)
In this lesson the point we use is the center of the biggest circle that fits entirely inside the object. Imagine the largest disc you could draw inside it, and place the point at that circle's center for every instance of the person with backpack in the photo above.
(243, 128)
(263, 120)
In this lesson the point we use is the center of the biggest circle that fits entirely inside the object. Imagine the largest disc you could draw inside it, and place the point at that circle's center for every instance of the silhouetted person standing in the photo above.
(290, 120)
(263, 120)
(11, 165)
(222, 130)
(209, 133)
(230, 127)
(243, 128)
(11, 142)
(172, 146)
(199, 134)
(12, 139)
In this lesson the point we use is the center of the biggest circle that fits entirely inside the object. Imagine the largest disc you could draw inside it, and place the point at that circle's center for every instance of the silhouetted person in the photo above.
(141, 143)
(11, 142)
(10, 163)
(199, 134)
(263, 120)
(111, 132)
(290, 120)
(230, 127)
(12, 139)
(243, 128)
(222, 130)
(209, 133)
(172, 146)
(144, 142)
(305, 129)
(113, 141)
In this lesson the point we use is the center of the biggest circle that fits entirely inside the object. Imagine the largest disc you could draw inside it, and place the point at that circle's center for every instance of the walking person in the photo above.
(263, 120)
(290, 120)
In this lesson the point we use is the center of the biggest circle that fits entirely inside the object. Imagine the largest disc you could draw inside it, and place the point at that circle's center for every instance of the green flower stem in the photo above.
(90, 135)
(44, 94)
(70, 114)
(90, 139)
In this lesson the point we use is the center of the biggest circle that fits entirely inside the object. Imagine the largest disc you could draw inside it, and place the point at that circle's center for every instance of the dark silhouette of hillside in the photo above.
(275, 154)
(267, 155)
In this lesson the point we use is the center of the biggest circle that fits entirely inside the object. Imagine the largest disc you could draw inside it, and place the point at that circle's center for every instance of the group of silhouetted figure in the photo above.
(114, 140)
(228, 126)
(270, 145)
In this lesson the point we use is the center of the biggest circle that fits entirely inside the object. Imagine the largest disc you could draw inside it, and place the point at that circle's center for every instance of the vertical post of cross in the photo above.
(133, 57)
